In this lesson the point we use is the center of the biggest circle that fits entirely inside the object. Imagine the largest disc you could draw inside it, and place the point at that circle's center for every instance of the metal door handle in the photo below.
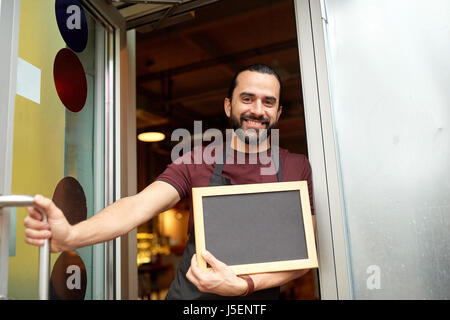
(44, 251)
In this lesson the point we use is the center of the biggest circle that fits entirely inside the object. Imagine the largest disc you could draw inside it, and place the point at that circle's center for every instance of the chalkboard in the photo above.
(256, 227)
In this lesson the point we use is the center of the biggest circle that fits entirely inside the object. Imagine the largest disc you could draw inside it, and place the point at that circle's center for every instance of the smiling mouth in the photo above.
(256, 123)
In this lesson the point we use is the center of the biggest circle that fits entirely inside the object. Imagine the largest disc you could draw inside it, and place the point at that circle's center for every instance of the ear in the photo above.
(227, 106)
(280, 108)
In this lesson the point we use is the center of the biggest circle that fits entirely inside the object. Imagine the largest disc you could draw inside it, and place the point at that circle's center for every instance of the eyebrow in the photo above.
(270, 98)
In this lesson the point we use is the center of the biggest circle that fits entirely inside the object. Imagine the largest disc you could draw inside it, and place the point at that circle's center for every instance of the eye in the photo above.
(246, 99)
(269, 103)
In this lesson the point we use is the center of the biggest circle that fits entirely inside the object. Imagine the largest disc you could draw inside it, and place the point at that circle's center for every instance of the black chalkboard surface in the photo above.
(256, 227)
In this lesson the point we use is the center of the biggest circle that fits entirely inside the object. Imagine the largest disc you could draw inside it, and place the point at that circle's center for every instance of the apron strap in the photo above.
(277, 160)
(218, 168)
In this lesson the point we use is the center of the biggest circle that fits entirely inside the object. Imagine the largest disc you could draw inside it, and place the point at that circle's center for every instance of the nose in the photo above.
(258, 108)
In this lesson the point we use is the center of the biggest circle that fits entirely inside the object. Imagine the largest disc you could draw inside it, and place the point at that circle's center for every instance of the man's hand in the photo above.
(220, 279)
(57, 228)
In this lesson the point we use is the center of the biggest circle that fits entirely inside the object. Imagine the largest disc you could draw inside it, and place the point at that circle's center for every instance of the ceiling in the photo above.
(187, 54)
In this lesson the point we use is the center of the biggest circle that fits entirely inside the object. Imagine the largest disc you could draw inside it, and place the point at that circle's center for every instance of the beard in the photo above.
(251, 136)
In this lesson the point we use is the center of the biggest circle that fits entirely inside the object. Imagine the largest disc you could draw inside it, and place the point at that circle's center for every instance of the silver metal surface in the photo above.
(389, 73)
(114, 50)
(44, 267)
(330, 153)
(44, 251)
(9, 42)
(316, 99)
(16, 201)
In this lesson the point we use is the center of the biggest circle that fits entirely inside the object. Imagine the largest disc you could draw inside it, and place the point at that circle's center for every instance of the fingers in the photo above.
(35, 242)
(46, 205)
(34, 213)
(218, 279)
(195, 268)
(34, 220)
(193, 271)
(36, 237)
(213, 261)
(196, 274)
(37, 234)
(36, 231)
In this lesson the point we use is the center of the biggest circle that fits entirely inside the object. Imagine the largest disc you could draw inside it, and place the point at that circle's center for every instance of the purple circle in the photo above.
(72, 23)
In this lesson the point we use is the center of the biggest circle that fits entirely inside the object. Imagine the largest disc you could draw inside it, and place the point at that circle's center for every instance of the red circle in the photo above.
(70, 80)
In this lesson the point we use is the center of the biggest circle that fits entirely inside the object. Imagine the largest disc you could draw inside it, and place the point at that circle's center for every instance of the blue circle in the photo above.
(72, 23)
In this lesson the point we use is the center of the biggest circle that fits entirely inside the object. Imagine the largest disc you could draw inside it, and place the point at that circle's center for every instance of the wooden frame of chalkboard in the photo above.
(255, 228)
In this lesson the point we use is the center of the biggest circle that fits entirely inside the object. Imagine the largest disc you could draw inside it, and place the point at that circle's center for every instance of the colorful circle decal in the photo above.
(68, 280)
(70, 80)
(70, 198)
(72, 23)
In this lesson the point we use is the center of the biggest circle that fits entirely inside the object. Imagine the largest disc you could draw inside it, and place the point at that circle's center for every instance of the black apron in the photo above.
(183, 289)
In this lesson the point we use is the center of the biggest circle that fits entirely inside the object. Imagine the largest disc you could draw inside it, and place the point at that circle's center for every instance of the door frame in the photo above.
(311, 22)
(9, 41)
(333, 257)
(120, 155)
(311, 32)
(120, 254)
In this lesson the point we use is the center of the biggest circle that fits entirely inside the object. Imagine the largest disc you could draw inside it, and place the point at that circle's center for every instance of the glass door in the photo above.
(63, 129)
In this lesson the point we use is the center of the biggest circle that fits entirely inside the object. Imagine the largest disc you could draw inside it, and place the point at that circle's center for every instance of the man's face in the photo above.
(254, 105)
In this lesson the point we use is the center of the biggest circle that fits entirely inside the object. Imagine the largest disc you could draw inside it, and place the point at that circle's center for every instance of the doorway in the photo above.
(183, 72)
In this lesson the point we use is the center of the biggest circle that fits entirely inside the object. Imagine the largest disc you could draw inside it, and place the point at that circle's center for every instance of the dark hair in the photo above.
(261, 68)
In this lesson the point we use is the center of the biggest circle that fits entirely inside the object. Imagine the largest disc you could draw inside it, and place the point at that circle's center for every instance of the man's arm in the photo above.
(115, 220)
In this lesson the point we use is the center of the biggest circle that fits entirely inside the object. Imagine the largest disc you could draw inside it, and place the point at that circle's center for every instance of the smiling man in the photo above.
(253, 103)
(253, 108)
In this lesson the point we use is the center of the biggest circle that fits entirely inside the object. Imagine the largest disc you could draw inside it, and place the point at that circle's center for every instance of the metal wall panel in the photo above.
(389, 73)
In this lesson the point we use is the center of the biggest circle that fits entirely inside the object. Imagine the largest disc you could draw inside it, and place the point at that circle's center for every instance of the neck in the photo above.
(239, 145)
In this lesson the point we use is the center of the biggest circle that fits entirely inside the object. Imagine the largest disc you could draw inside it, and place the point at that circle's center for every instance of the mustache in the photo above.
(252, 117)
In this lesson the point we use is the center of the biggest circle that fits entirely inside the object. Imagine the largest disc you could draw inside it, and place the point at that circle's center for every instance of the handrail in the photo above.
(44, 251)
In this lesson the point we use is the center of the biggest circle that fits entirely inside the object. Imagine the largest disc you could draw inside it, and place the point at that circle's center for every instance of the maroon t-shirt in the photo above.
(191, 170)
